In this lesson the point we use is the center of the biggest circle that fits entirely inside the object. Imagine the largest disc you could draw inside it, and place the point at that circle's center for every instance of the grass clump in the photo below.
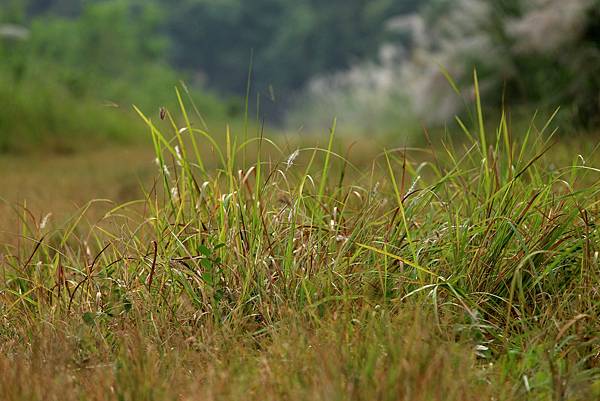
(256, 270)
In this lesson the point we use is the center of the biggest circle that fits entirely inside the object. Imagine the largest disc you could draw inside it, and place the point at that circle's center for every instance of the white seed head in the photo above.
(290, 161)
(179, 157)
(45, 221)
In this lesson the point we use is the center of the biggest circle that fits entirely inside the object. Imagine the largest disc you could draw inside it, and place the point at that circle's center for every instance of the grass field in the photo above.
(268, 269)
(49, 183)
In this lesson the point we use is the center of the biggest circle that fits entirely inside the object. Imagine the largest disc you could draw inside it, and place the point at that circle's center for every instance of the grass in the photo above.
(58, 185)
(467, 270)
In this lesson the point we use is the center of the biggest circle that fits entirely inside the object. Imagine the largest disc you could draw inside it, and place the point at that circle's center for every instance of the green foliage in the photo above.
(119, 52)
(44, 114)
(536, 54)
(74, 79)
(291, 40)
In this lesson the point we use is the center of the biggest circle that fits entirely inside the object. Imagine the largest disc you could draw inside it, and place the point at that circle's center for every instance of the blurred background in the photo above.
(70, 69)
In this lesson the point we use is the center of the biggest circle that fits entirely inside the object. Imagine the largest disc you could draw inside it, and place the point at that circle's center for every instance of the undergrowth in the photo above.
(255, 270)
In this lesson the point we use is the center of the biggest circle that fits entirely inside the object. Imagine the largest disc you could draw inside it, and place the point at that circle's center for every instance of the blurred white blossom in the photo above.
(547, 25)
(461, 36)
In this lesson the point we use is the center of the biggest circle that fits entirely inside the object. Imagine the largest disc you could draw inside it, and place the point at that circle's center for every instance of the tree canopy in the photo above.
(291, 41)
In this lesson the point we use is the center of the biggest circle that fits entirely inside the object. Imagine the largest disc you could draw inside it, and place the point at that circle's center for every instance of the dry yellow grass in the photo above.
(61, 184)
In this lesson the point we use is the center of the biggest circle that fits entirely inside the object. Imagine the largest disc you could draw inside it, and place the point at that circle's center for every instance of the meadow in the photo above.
(235, 265)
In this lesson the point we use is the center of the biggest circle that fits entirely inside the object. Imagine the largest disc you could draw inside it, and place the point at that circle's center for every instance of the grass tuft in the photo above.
(254, 270)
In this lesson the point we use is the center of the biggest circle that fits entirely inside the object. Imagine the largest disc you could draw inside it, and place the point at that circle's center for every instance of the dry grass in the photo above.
(62, 184)
(364, 355)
